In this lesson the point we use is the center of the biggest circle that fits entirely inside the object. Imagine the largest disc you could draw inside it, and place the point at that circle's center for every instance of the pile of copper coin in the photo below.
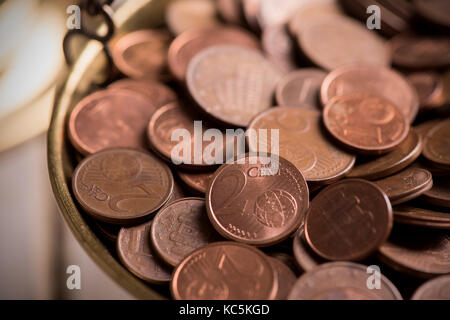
(363, 178)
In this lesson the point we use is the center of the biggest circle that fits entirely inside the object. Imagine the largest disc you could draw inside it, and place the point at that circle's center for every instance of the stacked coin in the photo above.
(225, 154)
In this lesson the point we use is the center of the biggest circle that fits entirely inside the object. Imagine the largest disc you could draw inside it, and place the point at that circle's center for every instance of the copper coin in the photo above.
(142, 54)
(177, 193)
(163, 137)
(180, 228)
(341, 209)
(429, 87)
(274, 12)
(436, 11)
(366, 123)
(435, 289)
(398, 159)
(231, 11)
(135, 252)
(437, 145)
(279, 48)
(420, 52)
(306, 258)
(419, 252)
(251, 11)
(286, 278)
(183, 15)
(302, 142)
(108, 231)
(191, 42)
(406, 185)
(233, 84)
(332, 43)
(286, 259)
(423, 128)
(439, 194)
(122, 185)
(300, 88)
(196, 181)
(157, 93)
(341, 281)
(372, 79)
(225, 271)
(100, 121)
(422, 217)
(246, 202)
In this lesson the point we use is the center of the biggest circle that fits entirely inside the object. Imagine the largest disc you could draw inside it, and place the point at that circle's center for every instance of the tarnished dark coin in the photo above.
(122, 185)
(437, 145)
(422, 217)
(131, 53)
(419, 252)
(180, 228)
(196, 181)
(341, 281)
(302, 142)
(135, 252)
(435, 289)
(429, 87)
(436, 11)
(366, 123)
(191, 42)
(225, 271)
(257, 200)
(373, 79)
(100, 121)
(279, 47)
(306, 258)
(332, 43)
(406, 185)
(300, 88)
(339, 210)
(439, 194)
(286, 278)
(398, 159)
(233, 84)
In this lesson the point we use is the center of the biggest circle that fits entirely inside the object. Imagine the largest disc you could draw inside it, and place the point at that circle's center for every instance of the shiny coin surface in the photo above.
(180, 228)
(122, 185)
(372, 79)
(439, 194)
(301, 88)
(135, 252)
(339, 210)
(279, 48)
(437, 145)
(435, 289)
(306, 258)
(257, 203)
(302, 142)
(422, 217)
(100, 121)
(232, 83)
(196, 181)
(341, 281)
(365, 123)
(225, 271)
(286, 278)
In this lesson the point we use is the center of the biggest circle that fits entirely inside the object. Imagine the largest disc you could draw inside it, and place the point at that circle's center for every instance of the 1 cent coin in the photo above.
(257, 200)
(435, 289)
(366, 123)
(306, 258)
(122, 185)
(286, 278)
(225, 271)
(339, 211)
(437, 145)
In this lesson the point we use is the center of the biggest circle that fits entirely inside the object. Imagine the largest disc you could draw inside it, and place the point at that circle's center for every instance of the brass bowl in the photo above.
(132, 15)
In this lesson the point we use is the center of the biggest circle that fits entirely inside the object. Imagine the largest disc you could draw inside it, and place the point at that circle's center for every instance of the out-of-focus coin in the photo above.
(231, 11)
(180, 228)
(406, 185)
(435, 289)
(339, 210)
(423, 128)
(142, 54)
(286, 278)
(422, 217)
(249, 203)
(302, 142)
(183, 15)
(437, 145)
(135, 252)
(436, 11)
(101, 121)
(279, 47)
(251, 10)
(439, 194)
(377, 80)
(341, 281)
(366, 123)
(196, 181)
(286, 259)
(419, 252)
(157, 93)
(306, 258)
(429, 87)
(332, 43)
(225, 271)
(398, 159)
(122, 185)
(191, 42)
(232, 83)
(107, 230)
(300, 88)
(420, 52)
(276, 12)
